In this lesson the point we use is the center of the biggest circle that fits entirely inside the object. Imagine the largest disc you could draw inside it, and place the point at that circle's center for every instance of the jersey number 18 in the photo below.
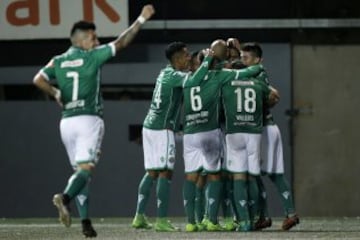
(246, 102)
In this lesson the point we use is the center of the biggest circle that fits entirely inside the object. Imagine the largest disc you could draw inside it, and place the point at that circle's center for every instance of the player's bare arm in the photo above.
(129, 34)
(41, 82)
(274, 97)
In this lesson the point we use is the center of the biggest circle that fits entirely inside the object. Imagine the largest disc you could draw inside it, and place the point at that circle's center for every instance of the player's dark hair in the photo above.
(173, 48)
(253, 48)
(83, 26)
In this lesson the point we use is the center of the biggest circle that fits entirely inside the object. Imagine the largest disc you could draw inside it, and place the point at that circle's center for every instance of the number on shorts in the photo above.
(195, 100)
(249, 102)
(75, 77)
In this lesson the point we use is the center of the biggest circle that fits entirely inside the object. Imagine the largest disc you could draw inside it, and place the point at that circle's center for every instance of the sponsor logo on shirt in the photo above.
(72, 63)
(242, 83)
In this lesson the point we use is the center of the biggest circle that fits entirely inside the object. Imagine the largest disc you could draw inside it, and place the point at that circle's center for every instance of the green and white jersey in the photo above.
(77, 73)
(268, 117)
(164, 112)
(243, 103)
(202, 101)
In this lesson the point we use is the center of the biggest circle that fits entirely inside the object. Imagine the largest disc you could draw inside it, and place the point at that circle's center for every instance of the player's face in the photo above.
(249, 59)
(184, 60)
(90, 40)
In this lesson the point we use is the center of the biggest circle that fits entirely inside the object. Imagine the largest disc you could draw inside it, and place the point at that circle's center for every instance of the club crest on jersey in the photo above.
(72, 63)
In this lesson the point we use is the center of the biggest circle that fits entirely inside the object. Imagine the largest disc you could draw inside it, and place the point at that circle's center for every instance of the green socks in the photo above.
(213, 195)
(199, 203)
(226, 198)
(163, 194)
(253, 197)
(241, 196)
(189, 200)
(77, 182)
(283, 188)
(263, 208)
(82, 202)
(144, 193)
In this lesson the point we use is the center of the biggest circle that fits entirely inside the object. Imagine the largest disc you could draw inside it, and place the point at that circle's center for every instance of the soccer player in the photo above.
(243, 106)
(271, 153)
(199, 204)
(77, 72)
(158, 134)
(202, 140)
(227, 200)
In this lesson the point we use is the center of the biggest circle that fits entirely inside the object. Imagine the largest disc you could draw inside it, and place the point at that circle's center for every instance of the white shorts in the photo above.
(82, 137)
(272, 160)
(159, 149)
(202, 151)
(243, 153)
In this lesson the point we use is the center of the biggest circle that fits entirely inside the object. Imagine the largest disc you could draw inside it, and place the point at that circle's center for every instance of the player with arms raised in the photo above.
(161, 122)
(77, 72)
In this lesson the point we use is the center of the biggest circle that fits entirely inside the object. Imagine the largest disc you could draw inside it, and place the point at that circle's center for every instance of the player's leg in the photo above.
(90, 132)
(264, 220)
(276, 175)
(60, 200)
(211, 147)
(145, 186)
(193, 165)
(162, 223)
(253, 151)
(83, 137)
(227, 201)
(189, 195)
(82, 204)
(241, 201)
(150, 176)
(284, 190)
(236, 163)
(200, 201)
(267, 158)
(227, 198)
(166, 162)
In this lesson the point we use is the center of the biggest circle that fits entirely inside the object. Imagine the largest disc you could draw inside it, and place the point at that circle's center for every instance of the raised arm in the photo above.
(129, 34)
(248, 72)
(196, 78)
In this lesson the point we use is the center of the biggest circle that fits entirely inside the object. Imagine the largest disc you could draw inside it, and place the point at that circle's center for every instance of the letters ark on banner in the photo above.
(41, 19)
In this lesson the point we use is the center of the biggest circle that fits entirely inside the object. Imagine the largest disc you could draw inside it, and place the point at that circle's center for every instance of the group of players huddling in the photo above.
(229, 139)
(223, 156)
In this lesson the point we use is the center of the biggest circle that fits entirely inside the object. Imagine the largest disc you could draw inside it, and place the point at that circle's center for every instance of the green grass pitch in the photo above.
(119, 228)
